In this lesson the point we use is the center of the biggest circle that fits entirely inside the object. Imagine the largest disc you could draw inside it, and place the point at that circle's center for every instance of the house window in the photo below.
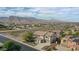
(43, 41)
(46, 37)
(64, 41)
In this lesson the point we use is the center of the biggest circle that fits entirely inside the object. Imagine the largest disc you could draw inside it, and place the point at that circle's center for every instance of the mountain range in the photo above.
(26, 20)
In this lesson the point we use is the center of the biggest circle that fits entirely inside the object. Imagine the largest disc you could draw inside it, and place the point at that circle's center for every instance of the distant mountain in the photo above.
(3, 18)
(25, 20)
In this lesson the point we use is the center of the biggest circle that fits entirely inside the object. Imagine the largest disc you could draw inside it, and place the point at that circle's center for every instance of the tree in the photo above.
(28, 37)
(62, 34)
(11, 46)
(76, 34)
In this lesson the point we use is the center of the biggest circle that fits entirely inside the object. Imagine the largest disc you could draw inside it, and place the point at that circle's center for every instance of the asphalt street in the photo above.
(23, 47)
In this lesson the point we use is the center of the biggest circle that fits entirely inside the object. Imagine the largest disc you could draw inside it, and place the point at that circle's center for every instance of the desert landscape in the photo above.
(20, 31)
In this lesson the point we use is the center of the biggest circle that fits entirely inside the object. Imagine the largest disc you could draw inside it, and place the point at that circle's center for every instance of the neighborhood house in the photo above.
(43, 36)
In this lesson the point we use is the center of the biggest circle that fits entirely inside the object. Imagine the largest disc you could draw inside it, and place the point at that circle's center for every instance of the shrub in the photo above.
(11, 46)
(28, 37)
(47, 48)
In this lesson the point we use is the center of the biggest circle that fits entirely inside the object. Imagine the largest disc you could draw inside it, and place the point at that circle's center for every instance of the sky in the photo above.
(47, 13)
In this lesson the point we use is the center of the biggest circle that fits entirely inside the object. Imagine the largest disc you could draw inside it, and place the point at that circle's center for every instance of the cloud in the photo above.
(64, 13)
